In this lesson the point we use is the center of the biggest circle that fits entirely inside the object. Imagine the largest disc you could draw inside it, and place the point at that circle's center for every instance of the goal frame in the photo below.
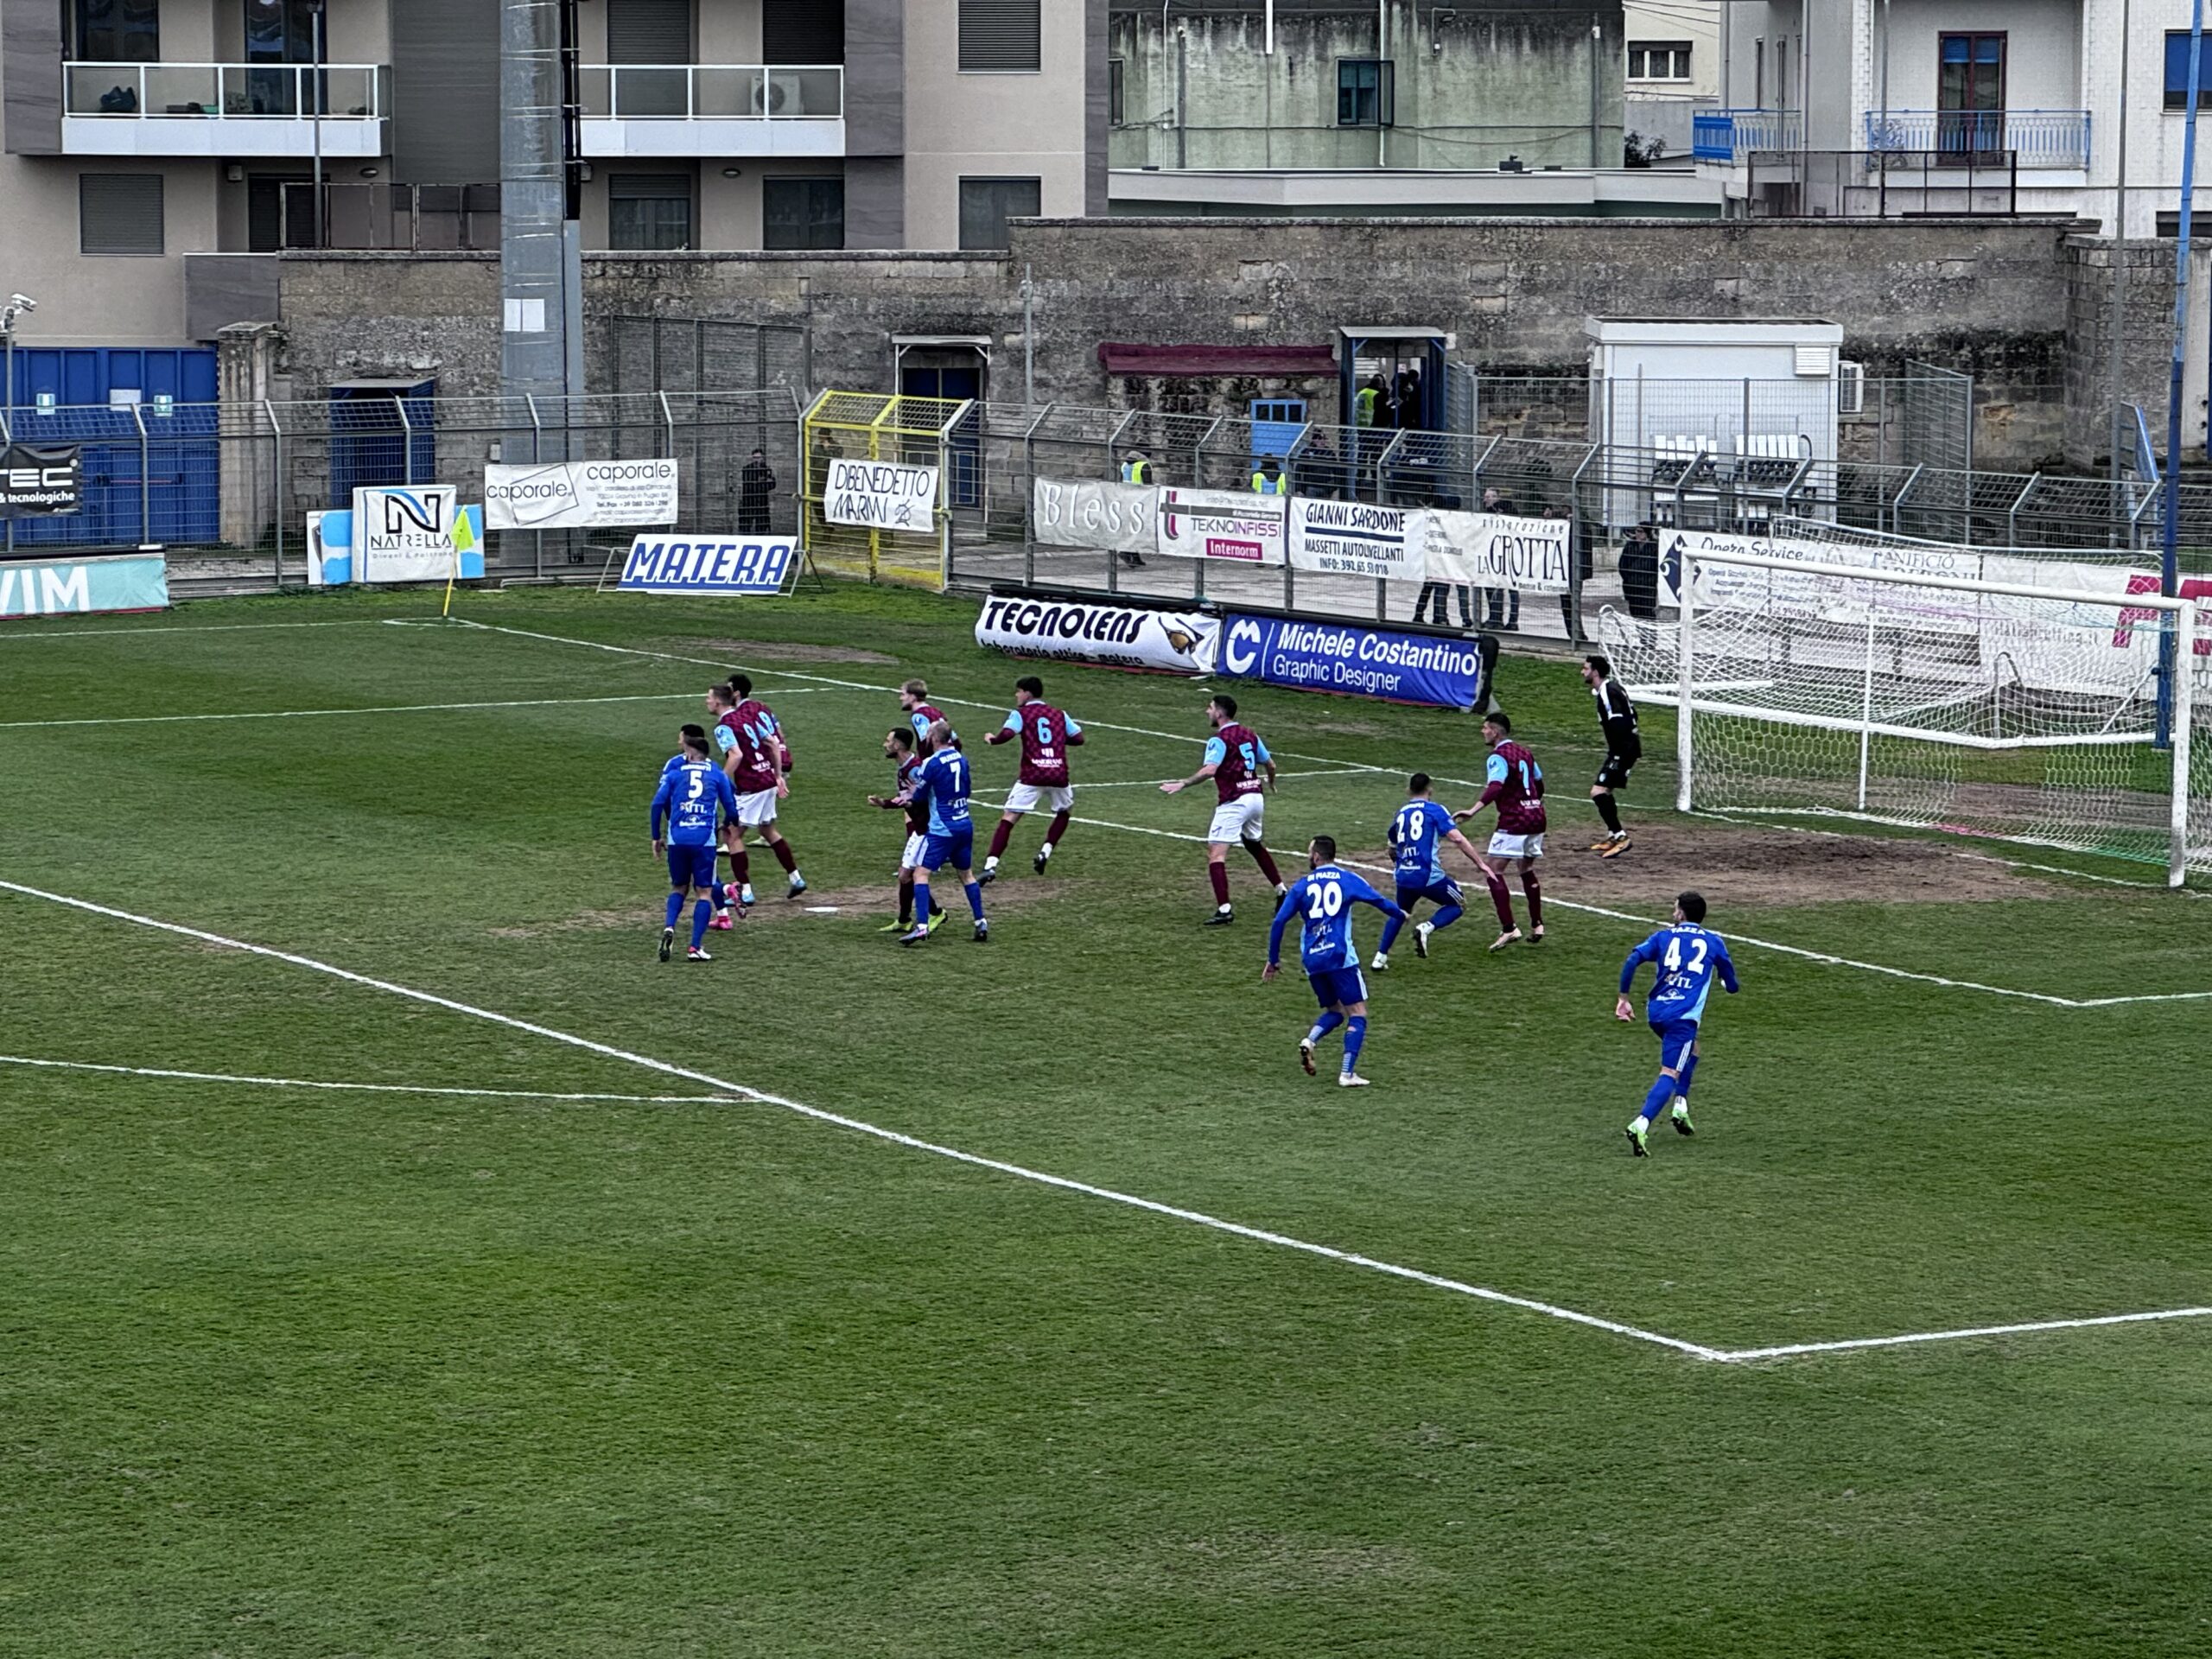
(2176, 623)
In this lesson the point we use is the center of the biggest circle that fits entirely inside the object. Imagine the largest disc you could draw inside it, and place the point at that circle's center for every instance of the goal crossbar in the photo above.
(1954, 584)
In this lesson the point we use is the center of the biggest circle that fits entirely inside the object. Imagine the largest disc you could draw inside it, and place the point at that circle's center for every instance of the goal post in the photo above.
(1877, 684)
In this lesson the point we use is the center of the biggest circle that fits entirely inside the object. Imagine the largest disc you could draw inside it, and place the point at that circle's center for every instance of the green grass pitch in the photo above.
(286, 1371)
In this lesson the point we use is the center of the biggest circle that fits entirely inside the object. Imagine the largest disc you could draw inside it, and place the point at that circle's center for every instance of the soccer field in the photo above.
(399, 1259)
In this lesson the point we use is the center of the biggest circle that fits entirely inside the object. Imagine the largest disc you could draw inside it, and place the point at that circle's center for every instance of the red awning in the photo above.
(1119, 357)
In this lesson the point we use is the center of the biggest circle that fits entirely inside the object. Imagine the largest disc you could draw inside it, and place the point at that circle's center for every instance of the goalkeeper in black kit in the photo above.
(1624, 749)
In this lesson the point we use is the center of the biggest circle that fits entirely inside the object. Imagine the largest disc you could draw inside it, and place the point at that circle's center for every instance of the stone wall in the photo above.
(2149, 337)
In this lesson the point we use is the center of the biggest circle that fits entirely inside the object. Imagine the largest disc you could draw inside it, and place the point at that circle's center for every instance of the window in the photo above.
(117, 31)
(986, 204)
(1002, 34)
(1658, 60)
(1116, 91)
(802, 212)
(649, 213)
(1970, 93)
(2200, 224)
(1365, 93)
(1758, 74)
(119, 213)
(281, 31)
(2178, 74)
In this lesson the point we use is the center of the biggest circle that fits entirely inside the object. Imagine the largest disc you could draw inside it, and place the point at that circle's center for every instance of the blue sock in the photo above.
(1327, 1023)
(976, 900)
(1390, 932)
(1445, 917)
(921, 904)
(702, 913)
(1658, 1098)
(1355, 1034)
(1689, 1070)
(675, 909)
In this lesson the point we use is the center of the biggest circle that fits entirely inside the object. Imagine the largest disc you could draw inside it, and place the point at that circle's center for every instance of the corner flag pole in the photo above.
(2169, 564)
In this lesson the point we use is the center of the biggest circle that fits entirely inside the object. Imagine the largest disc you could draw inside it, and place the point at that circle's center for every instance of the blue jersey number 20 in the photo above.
(1324, 899)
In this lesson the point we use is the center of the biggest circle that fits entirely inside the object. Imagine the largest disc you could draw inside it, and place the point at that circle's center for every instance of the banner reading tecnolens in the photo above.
(124, 582)
(37, 480)
(1120, 636)
(668, 564)
(580, 494)
(1450, 673)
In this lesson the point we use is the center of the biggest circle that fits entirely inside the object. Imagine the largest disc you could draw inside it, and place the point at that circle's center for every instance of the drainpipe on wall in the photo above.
(1381, 57)
(1597, 41)
(1182, 91)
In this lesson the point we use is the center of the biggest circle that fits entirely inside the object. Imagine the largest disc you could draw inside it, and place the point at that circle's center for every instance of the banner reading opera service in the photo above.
(1356, 538)
(580, 494)
(1450, 673)
(1802, 595)
(1487, 549)
(1222, 525)
(1120, 636)
(1090, 513)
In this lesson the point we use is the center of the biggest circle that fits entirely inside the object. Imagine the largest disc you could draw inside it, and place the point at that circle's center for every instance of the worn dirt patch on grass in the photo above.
(743, 652)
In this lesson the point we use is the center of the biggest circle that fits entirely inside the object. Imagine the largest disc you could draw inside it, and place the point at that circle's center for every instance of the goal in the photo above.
(1905, 686)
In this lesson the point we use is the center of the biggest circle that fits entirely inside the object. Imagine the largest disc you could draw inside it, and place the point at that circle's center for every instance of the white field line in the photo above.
(1788, 1350)
(326, 714)
(1155, 782)
(212, 627)
(1480, 1293)
(367, 1088)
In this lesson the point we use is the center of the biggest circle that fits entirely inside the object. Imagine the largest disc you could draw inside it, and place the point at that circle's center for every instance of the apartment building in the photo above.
(149, 148)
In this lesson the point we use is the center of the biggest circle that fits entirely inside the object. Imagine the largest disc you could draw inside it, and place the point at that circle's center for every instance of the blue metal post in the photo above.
(2169, 564)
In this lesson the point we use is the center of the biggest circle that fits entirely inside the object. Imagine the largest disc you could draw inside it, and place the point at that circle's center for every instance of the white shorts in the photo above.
(1238, 819)
(1504, 846)
(757, 808)
(1028, 797)
(911, 858)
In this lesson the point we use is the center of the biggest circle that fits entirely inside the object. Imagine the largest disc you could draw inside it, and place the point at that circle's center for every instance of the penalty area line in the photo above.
(326, 714)
(1793, 1350)
(1258, 1235)
(365, 1088)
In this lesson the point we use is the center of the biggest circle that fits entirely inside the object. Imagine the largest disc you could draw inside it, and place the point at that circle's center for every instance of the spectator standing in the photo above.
(1640, 573)
(1137, 468)
(1501, 606)
(754, 481)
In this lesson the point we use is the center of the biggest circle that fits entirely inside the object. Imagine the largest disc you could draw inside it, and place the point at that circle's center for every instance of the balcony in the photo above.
(711, 109)
(224, 108)
(2041, 139)
(1729, 136)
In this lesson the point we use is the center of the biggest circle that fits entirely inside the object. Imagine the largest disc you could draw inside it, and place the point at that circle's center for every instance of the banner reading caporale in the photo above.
(1490, 550)
(580, 494)
(1121, 636)
(1090, 513)
(1222, 525)
(1356, 538)
(880, 495)
(672, 564)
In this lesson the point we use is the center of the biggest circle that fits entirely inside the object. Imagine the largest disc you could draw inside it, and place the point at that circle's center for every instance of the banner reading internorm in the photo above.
(1090, 513)
(1222, 525)
(1120, 636)
(580, 494)
(1489, 549)
(880, 495)
(1356, 538)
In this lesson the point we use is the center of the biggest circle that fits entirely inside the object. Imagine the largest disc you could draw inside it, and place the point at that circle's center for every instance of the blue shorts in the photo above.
(1442, 893)
(690, 866)
(959, 849)
(1338, 987)
(1676, 1039)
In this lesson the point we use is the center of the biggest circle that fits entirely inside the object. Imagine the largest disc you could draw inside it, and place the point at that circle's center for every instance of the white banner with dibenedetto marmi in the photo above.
(880, 495)
(1308, 533)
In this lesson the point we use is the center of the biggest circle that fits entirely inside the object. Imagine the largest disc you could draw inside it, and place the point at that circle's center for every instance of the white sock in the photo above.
(1221, 910)
(1681, 1106)
(1641, 1124)
(992, 862)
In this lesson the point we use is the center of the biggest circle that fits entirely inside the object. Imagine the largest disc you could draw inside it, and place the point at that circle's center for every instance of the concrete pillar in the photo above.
(245, 375)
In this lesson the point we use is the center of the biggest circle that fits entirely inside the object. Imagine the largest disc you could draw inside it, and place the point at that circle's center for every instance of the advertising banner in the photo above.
(1809, 595)
(1487, 549)
(417, 533)
(38, 479)
(1353, 538)
(1452, 673)
(1222, 525)
(668, 564)
(580, 494)
(1086, 512)
(1120, 636)
(880, 495)
(126, 582)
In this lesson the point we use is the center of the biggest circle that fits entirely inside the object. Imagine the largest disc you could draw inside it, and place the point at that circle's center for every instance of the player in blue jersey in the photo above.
(695, 801)
(1689, 958)
(1417, 835)
(944, 781)
(684, 734)
(1323, 897)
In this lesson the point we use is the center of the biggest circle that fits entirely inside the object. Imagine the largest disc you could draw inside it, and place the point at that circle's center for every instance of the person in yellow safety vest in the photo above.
(1137, 468)
(1269, 480)
(1365, 402)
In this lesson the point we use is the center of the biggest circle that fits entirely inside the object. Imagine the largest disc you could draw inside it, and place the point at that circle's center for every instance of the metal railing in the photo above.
(244, 92)
(2056, 138)
(1730, 134)
(1881, 183)
(402, 218)
(711, 91)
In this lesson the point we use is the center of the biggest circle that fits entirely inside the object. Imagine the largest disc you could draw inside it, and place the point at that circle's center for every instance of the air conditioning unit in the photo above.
(1850, 389)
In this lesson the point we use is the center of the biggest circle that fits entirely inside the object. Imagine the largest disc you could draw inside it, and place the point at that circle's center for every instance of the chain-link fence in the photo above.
(874, 426)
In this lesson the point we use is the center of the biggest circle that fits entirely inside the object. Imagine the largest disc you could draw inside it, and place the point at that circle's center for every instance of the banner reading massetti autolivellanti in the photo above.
(1448, 673)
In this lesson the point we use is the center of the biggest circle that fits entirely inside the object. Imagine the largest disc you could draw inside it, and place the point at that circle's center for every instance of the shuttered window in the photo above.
(649, 213)
(649, 31)
(119, 213)
(986, 204)
(803, 31)
(999, 34)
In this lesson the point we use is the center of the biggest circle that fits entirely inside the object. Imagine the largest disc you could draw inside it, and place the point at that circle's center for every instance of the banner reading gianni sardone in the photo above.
(1119, 636)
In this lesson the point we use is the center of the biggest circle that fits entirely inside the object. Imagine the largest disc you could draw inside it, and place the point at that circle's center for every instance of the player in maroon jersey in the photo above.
(899, 749)
(1243, 772)
(1045, 734)
(1514, 783)
(756, 758)
(921, 714)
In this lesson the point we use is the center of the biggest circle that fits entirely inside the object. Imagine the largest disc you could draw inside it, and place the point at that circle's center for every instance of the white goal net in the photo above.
(1930, 688)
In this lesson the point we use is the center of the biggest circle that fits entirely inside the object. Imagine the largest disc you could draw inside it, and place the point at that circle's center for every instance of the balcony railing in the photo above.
(1879, 184)
(247, 91)
(2039, 138)
(1731, 134)
(712, 92)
